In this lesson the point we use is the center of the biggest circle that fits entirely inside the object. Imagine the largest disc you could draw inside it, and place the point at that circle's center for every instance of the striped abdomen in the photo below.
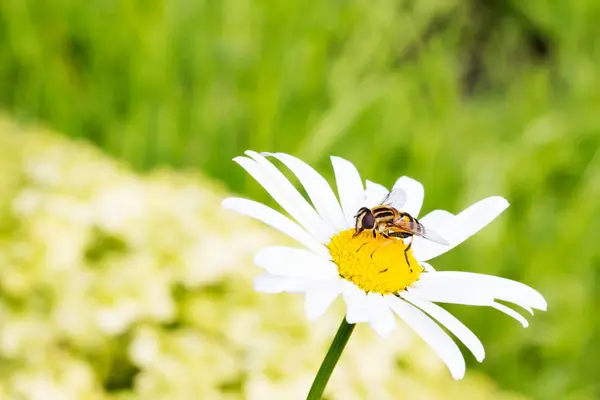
(408, 223)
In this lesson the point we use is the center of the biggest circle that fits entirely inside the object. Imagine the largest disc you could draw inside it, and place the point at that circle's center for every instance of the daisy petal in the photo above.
(432, 334)
(477, 216)
(317, 188)
(350, 187)
(357, 304)
(512, 313)
(451, 323)
(442, 293)
(319, 298)
(414, 193)
(374, 194)
(295, 263)
(528, 309)
(267, 283)
(382, 320)
(493, 286)
(461, 227)
(437, 219)
(284, 193)
(275, 220)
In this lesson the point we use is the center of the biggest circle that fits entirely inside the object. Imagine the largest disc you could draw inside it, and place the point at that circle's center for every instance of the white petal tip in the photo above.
(458, 377)
(383, 333)
(384, 327)
(522, 320)
(528, 309)
(267, 154)
(537, 301)
(314, 314)
(233, 203)
(269, 253)
(259, 258)
(478, 353)
(239, 158)
(226, 203)
(511, 313)
(262, 284)
(458, 371)
(312, 317)
(542, 306)
(502, 202)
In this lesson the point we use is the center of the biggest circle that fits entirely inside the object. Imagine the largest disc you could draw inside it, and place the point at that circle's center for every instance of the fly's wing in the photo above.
(395, 198)
(415, 228)
(435, 237)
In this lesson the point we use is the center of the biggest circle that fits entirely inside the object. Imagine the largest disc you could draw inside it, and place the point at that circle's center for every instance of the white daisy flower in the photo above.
(372, 274)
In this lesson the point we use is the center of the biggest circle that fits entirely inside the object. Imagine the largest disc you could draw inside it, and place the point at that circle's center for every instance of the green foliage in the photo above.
(472, 98)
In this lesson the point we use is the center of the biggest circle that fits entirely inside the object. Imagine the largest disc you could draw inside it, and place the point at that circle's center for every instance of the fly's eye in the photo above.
(368, 220)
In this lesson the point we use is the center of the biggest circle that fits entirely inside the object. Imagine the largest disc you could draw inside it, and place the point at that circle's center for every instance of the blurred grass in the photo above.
(472, 98)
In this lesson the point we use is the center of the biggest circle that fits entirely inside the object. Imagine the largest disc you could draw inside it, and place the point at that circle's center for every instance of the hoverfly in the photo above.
(389, 222)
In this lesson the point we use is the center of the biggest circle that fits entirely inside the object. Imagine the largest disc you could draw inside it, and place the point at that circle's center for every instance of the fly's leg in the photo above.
(406, 254)
(385, 235)
(404, 235)
(361, 246)
(382, 246)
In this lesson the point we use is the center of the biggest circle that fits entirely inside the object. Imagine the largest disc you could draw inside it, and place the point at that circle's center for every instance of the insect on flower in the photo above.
(333, 261)
(389, 222)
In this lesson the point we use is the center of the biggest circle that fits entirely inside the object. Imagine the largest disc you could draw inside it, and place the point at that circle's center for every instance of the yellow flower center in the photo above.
(374, 264)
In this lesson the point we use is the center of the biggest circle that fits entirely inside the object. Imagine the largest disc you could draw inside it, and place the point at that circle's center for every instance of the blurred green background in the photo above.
(473, 98)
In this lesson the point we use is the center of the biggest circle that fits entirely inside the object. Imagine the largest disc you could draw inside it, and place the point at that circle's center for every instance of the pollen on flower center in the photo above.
(374, 264)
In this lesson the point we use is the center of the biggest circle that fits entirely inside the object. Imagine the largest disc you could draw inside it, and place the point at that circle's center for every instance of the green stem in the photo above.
(330, 360)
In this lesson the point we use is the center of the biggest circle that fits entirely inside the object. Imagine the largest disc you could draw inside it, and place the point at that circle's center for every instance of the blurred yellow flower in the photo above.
(122, 286)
